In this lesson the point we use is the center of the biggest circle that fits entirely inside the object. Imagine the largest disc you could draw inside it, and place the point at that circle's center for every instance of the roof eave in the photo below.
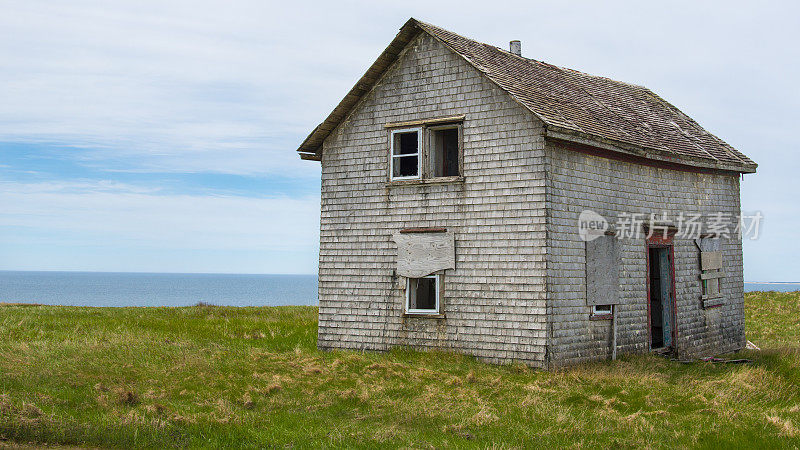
(311, 156)
(566, 134)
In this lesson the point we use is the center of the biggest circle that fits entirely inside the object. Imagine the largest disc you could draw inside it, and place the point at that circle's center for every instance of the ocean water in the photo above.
(156, 289)
(770, 286)
(167, 289)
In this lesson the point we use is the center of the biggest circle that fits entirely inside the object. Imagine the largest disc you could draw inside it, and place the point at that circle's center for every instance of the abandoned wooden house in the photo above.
(471, 200)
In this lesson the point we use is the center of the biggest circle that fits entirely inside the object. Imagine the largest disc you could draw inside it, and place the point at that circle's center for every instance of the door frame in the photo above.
(659, 241)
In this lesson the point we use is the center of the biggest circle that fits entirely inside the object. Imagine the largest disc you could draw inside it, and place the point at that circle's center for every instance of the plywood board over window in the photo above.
(711, 270)
(423, 253)
(602, 271)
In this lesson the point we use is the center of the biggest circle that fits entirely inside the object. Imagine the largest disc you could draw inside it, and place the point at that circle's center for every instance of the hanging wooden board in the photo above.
(710, 260)
(421, 254)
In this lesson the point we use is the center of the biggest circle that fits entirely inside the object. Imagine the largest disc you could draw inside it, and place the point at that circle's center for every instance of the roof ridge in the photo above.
(472, 63)
(538, 61)
(570, 69)
(600, 109)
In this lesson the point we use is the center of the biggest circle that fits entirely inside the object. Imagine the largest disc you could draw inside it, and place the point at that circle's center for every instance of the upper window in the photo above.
(406, 150)
(428, 151)
(444, 151)
(422, 295)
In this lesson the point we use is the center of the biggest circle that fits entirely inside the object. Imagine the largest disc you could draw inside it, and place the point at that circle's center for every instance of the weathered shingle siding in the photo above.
(577, 181)
(495, 298)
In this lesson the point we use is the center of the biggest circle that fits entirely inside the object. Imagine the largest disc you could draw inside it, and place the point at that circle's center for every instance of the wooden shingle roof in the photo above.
(573, 105)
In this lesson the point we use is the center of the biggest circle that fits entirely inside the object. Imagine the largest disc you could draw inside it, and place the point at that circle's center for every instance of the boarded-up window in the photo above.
(602, 271)
(421, 254)
(711, 273)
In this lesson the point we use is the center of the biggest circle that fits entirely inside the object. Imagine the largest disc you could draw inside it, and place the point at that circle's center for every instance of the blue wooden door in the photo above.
(666, 295)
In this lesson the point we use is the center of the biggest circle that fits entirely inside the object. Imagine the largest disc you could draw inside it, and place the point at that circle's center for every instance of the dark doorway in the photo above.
(661, 298)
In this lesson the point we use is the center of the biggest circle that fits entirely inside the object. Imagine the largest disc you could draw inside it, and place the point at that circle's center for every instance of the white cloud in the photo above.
(234, 87)
(73, 187)
(172, 86)
(112, 213)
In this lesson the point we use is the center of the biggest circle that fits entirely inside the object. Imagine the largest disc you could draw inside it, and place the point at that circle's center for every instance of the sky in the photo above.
(160, 136)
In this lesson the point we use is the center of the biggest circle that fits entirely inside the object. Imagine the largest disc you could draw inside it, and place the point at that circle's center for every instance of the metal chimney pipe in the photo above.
(515, 47)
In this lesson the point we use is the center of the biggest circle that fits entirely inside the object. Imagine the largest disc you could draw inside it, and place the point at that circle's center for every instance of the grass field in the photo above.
(252, 377)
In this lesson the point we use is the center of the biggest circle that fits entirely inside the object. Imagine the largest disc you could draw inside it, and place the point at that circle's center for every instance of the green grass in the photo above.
(252, 377)
(773, 319)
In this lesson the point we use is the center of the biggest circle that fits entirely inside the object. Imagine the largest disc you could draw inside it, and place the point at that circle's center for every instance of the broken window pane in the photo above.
(406, 166)
(444, 152)
(598, 310)
(422, 294)
(406, 143)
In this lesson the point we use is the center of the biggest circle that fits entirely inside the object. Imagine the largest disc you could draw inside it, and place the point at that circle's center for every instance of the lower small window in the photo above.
(601, 310)
(422, 295)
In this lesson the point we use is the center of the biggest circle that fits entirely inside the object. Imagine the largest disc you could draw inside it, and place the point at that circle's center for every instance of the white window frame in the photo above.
(603, 312)
(392, 156)
(437, 288)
